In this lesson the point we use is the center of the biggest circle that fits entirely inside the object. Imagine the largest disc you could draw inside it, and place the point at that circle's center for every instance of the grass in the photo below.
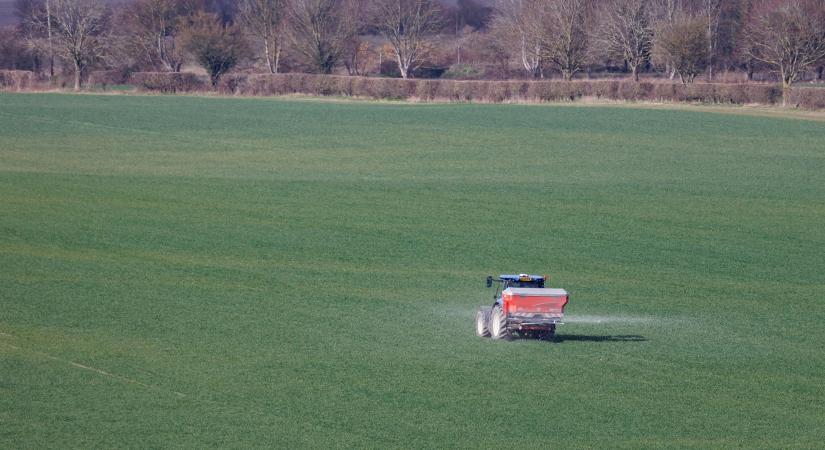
(184, 271)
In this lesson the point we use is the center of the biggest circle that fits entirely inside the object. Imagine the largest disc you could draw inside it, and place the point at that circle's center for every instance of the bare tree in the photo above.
(682, 45)
(15, 53)
(563, 31)
(358, 56)
(665, 13)
(33, 17)
(49, 40)
(79, 33)
(321, 30)
(628, 32)
(407, 24)
(216, 46)
(151, 28)
(515, 21)
(711, 12)
(265, 20)
(788, 36)
(666, 10)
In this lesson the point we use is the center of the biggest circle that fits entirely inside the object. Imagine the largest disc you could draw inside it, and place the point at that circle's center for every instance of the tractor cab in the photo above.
(518, 281)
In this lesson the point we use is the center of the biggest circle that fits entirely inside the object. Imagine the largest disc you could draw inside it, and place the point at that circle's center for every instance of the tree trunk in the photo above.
(820, 73)
(77, 71)
(35, 63)
(49, 30)
(161, 54)
(403, 68)
(277, 57)
(635, 71)
(787, 80)
(268, 56)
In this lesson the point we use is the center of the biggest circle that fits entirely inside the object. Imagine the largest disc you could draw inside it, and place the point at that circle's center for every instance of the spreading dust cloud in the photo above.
(591, 319)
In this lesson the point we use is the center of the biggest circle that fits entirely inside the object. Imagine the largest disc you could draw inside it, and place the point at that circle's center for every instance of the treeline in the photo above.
(716, 40)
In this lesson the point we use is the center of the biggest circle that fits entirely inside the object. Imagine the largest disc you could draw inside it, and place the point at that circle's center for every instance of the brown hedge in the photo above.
(807, 98)
(108, 77)
(168, 82)
(481, 91)
(16, 79)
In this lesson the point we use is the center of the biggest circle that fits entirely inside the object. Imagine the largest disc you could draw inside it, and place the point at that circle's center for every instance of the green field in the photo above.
(184, 271)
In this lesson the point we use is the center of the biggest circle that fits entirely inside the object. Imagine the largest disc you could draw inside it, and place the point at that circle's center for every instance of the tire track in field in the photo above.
(87, 367)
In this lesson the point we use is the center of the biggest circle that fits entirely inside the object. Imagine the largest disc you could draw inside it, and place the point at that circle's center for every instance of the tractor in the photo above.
(522, 306)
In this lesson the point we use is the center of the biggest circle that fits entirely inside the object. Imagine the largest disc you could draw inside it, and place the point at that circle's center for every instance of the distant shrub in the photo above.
(468, 91)
(463, 72)
(807, 98)
(388, 88)
(554, 91)
(169, 82)
(427, 90)
(16, 79)
(636, 91)
(604, 89)
(473, 90)
(108, 77)
(765, 94)
(702, 93)
(669, 91)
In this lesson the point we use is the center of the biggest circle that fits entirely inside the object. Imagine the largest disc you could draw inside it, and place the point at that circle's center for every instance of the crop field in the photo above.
(198, 272)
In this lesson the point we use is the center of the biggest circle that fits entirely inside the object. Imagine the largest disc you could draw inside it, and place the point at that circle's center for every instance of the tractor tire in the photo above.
(498, 324)
(483, 322)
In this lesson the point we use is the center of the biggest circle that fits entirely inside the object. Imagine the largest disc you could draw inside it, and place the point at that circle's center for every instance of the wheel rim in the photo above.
(495, 325)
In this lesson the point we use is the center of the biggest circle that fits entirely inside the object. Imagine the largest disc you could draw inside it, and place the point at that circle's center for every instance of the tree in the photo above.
(79, 33)
(14, 53)
(788, 36)
(712, 12)
(564, 34)
(406, 24)
(666, 10)
(152, 28)
(665, 13)
(358, 57)
(628, 32)
(516, 21)
(265, 20)
(216, 46)
(321, 31)
(35, 28)
(682, 45)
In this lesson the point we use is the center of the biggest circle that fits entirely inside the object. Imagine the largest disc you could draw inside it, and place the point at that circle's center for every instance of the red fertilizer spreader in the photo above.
(522, 306)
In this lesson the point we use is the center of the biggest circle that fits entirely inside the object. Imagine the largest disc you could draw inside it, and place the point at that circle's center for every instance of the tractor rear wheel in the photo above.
(483, 322)
(498, 324)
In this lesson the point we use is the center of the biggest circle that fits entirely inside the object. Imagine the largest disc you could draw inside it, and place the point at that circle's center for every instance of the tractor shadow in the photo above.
(559, 338)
